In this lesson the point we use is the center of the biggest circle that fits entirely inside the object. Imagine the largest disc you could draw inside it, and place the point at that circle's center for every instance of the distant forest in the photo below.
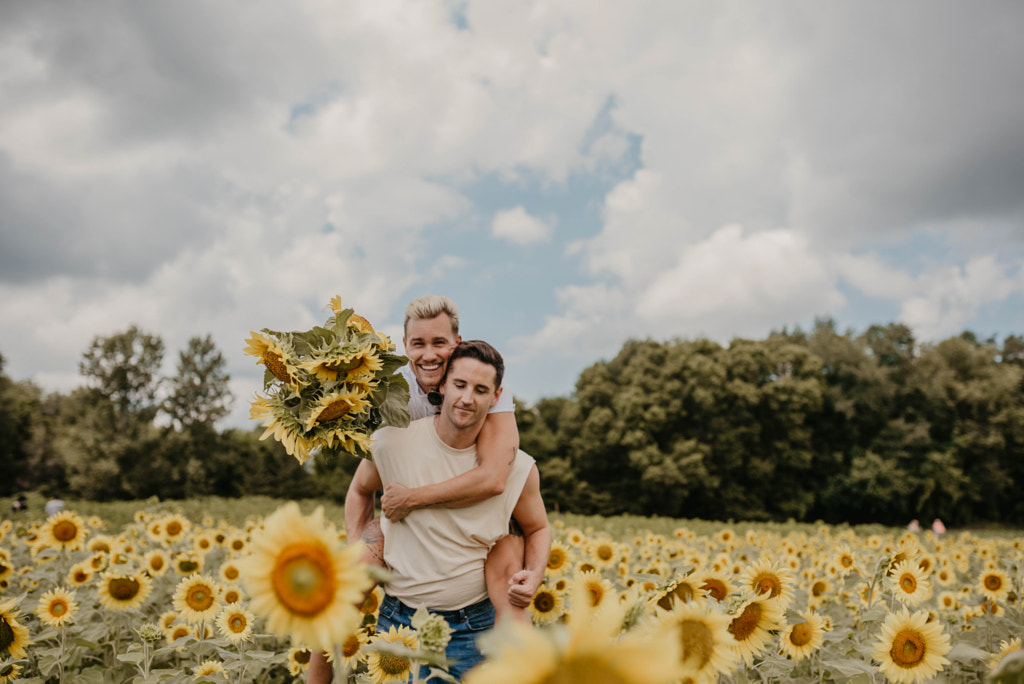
(803, 425)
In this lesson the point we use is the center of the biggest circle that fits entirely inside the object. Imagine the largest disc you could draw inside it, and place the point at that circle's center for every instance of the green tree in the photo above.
(199, 393)
(124, 368)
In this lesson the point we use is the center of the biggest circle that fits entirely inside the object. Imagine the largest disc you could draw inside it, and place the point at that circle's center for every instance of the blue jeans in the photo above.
(467, 624)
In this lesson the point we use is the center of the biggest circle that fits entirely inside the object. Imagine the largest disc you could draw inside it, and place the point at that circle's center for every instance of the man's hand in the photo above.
(396, 502)
(521, 588)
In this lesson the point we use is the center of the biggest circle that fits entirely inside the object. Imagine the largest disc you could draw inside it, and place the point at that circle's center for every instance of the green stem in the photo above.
(60, 662)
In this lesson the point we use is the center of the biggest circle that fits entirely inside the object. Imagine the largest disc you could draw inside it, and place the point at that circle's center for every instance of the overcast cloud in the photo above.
(573, 173)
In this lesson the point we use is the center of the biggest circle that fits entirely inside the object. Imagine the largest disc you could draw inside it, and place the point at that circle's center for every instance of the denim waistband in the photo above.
(458, 615)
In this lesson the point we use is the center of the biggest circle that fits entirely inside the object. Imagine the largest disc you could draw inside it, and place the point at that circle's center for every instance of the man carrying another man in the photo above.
(437, 554)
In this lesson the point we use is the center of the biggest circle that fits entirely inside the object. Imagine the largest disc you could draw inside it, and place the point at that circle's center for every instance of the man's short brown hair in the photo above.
(481, 351)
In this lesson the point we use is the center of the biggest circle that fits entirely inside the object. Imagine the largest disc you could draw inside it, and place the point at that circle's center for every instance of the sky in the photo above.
(573, 174)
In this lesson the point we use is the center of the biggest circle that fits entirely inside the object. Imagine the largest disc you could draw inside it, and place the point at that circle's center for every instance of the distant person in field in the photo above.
(20, 505)
(938, 528)
(54, 506)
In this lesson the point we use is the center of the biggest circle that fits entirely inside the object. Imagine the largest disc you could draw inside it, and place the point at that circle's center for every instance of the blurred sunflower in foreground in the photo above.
(329, 388)
(303, 581)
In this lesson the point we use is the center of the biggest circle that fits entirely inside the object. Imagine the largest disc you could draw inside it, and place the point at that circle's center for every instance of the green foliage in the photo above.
(199, 394)
(124, 368)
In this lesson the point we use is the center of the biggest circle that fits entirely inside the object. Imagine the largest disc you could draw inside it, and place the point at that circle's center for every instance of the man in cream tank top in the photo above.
(436, 555)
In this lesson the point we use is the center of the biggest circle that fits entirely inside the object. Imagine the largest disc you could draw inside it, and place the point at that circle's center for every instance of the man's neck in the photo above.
(453, 436)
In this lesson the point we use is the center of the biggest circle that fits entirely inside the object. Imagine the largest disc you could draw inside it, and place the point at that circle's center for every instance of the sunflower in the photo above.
(340, 403)
(274, 355)
(65, 530)
(9, 672)
(714, 585)
(229, 572)
(167, 619)
(203, 541)
(768, 577)
(188, 563)
(352, 366)
(603, 552)
(232, 595)
(302, 581)
(1005, 648)
(801, 639)
(752, 625)
(156, 562)
(559, 559)
(596, 589)
(56, 607)
(207, 668)
(371, 604)
(175, 527)
(236, 544)
(389, 667)
(280, 422)
(910, 584)
(197, 598)
(101, 543)
(707, 646)
(79, 574)
(589, 649)
(994, 584)
(235, 624)
(352, 648)
(120, 592)
(910, 649)
(684, 590)
(298, 660)
(354, 442)
(547, 606)
(13, 635)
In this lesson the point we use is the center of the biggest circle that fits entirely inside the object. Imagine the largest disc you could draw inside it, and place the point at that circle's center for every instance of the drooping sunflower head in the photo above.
(752, 625)
(281, 422)
(343, 402)
(276, 355)
(302, 581)
(298, 660)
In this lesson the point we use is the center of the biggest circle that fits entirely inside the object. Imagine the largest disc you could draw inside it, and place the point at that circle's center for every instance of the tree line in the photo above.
(817, 425)
(131, 433)
(804, 425)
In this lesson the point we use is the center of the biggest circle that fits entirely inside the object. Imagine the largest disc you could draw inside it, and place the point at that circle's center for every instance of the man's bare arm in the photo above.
(533, 519)
(496, 449)
(359, 499)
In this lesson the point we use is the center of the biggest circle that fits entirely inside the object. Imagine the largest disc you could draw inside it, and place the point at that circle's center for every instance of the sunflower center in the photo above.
(993, 582)
(58, 608)
(801, 634)
(767, 584)
(188, 566)
(698, 642)
(231, 572)
(556, 559)
(908, 583)
(6, 635)
(7, 670)
(351, 646)
(716, 588)
(80, 577)
(846, 561)
(123, 588)
(683, 591)
(746, 622)
(605, 552)
(237, 623)
(199, 598)
(173, 528)
(237, 545)
(584, 671)
(156, 562)
(907, 649)
(303, 578)
(587, 567)
(275, 365)
(818, 588)
(370, 604)
(65, 531)
(393, 665)
(544, 602)
(231, 596)
(596, 593)
(336, 409)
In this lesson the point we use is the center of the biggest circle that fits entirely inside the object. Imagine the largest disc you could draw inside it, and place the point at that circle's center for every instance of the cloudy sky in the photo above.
(572, 173)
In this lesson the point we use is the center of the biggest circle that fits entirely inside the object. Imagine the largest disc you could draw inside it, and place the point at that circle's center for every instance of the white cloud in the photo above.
(519, 227)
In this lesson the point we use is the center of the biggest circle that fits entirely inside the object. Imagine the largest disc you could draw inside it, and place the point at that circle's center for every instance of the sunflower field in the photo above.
(173, 598)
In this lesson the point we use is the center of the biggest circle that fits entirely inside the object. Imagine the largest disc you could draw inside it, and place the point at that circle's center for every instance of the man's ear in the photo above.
(496, 395)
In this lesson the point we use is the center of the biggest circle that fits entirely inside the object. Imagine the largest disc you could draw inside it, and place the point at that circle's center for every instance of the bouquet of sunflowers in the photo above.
(327, 389)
